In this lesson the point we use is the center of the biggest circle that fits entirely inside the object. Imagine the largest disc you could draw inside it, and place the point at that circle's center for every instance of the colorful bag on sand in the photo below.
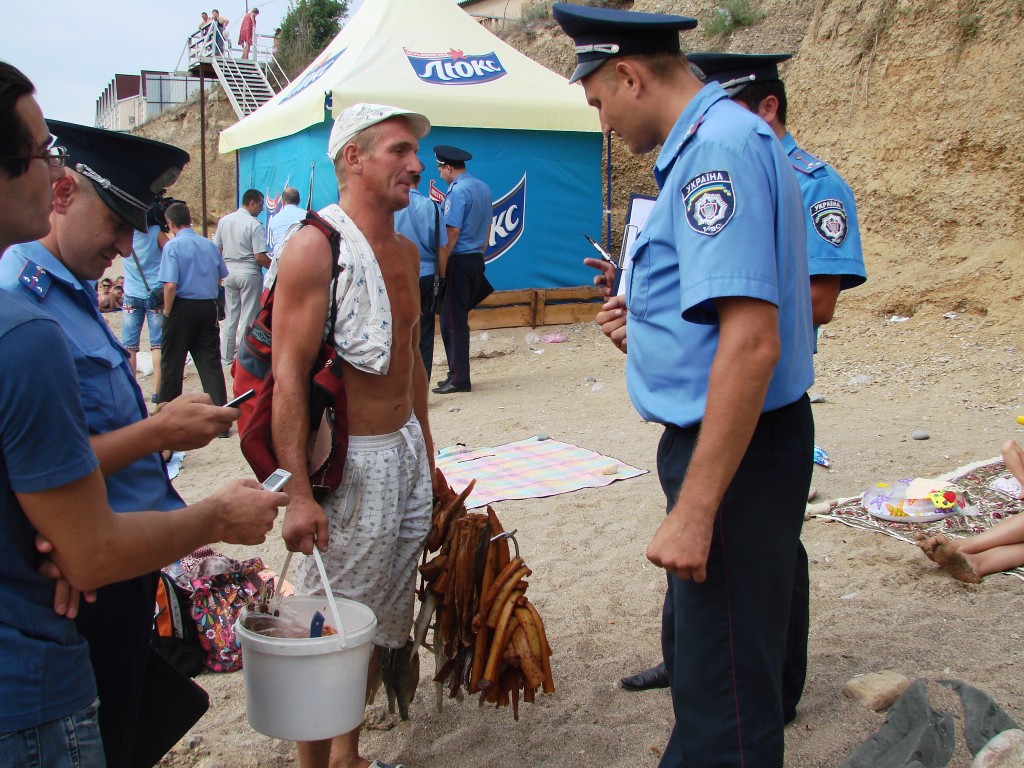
(175, 635)
(216, 604)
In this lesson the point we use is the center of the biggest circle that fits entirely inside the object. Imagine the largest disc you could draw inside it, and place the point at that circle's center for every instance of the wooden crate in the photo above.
(536, 307)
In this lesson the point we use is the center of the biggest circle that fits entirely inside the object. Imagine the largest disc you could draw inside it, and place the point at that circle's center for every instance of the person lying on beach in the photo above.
(1000, 548)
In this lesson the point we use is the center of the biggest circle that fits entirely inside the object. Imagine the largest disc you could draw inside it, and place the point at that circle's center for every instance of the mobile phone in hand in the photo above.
(277, 480)
(240, 399)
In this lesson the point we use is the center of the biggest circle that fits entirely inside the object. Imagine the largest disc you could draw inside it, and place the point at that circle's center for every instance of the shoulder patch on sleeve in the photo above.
(35, 280)
(710, 202)
(829, 219)
(804, 162)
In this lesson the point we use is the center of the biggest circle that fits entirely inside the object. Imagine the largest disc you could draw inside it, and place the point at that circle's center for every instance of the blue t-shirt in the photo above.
(419, 222)
(833, 234)
(727, 222)
(467, 206)
(44, 665)
(147, 249)
(111, 396)
(194, 264)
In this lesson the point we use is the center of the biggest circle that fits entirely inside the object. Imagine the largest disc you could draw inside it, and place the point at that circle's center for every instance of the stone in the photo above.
(983, 718)
(817, 397)
(920, 435)
(1006, 750)
(876, 690)
(912, 736)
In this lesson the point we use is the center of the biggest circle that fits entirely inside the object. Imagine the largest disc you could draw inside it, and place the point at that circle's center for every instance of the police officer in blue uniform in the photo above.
(110, 183)
(716, 326)
(834, 254)
(467, 218)
(835, 263)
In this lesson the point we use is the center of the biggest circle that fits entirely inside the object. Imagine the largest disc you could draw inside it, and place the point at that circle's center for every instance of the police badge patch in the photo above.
(829, 217)
(710, 202)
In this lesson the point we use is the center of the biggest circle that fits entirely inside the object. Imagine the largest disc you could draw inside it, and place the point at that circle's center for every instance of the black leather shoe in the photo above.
(447, 388)
(655, 677)
(446, 380)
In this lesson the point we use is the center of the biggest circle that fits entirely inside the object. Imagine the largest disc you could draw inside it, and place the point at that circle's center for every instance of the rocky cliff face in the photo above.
(916, 102)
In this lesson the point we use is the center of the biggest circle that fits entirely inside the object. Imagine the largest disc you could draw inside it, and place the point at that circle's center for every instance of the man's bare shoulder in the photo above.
(306, 258)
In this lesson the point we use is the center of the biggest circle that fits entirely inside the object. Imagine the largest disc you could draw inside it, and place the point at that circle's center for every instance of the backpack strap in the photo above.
(317, 221)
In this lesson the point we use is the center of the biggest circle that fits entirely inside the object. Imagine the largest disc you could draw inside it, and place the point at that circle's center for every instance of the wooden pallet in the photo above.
(536, 306)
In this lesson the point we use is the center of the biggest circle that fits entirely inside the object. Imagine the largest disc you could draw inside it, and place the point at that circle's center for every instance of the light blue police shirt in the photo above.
(833, 235)
(418, 222)
(467, 206)
(194, 264)
(727, 222)
(111, 396)
(280, 223)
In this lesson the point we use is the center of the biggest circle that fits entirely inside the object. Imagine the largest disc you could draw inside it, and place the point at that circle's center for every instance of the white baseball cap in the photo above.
(359, 117)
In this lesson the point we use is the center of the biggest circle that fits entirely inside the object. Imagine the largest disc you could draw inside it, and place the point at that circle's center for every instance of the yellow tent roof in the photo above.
(429, 56)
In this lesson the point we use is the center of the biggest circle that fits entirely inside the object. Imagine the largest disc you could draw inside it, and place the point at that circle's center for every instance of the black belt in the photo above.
(765, 416)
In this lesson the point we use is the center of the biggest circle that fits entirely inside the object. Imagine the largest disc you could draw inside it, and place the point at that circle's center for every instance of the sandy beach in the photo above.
(876, 602)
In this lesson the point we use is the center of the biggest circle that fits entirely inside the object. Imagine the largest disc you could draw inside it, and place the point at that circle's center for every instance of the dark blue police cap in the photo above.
(735, 71)
(127, 171)
(446, 154)
(604, 33)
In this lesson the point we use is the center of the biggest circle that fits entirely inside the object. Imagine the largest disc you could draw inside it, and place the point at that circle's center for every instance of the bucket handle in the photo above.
(331, 603)
(335, 613)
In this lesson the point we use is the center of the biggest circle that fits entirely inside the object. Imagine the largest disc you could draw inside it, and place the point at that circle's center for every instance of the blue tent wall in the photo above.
(563, 191)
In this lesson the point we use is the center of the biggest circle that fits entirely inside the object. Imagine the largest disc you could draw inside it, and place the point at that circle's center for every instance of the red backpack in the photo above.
(328, 415)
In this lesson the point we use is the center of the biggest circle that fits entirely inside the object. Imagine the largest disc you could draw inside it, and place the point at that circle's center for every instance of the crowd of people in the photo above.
(742, 258)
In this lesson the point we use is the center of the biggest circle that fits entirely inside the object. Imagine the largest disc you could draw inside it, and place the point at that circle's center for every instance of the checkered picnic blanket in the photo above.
(529, 469)
(975, 479)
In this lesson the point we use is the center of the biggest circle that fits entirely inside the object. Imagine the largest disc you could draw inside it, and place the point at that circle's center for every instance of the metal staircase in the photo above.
(244, 82)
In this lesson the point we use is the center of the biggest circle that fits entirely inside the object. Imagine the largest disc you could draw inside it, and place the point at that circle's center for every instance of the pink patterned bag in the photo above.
(216, 604)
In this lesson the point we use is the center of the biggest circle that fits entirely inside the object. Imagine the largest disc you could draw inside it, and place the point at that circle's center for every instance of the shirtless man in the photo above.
(373, 527)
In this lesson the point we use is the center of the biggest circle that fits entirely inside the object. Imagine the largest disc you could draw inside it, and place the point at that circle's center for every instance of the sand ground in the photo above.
(876, 602)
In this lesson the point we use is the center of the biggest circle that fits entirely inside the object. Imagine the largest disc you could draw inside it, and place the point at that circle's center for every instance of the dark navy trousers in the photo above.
(725, 640)
(426, 322)
(464, 273)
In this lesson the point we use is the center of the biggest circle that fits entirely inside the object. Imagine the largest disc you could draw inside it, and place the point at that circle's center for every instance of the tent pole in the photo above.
(608, 199)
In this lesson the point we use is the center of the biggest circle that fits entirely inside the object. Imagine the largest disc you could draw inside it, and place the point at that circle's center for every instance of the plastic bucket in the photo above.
(307, 689)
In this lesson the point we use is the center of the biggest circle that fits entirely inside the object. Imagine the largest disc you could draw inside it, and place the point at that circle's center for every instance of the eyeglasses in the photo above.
(55, 155)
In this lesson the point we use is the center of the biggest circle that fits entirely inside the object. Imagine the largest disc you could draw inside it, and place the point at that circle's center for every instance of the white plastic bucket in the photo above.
(307, 689)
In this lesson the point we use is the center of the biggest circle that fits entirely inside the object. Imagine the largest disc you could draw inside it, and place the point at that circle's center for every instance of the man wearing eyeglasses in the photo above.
(110, 182)
(51, 484)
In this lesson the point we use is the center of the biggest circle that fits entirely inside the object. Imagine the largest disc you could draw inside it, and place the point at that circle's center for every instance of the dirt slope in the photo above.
(916, 103)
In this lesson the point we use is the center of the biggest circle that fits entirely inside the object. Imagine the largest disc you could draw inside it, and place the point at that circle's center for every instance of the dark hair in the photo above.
(756, 92)
(290, 196)
(251, 196)
(178, 215)
(15, 138)
(458, 165)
